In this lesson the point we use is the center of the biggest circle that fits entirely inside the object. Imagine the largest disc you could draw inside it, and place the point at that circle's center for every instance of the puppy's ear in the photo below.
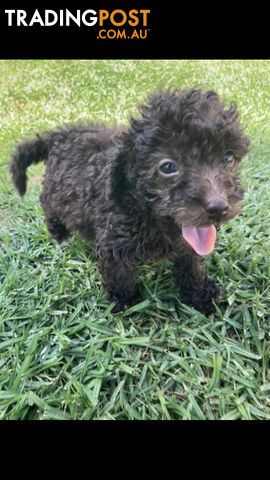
(119, 181)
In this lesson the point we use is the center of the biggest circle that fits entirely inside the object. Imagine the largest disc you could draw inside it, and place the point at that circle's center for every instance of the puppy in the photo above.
(157, 189)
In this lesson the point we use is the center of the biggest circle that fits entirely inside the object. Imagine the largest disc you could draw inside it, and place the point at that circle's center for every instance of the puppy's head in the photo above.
(182, 157)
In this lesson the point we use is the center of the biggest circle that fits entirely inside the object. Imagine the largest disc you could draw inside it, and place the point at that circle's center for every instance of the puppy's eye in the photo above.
(167, 167)
(228, 157)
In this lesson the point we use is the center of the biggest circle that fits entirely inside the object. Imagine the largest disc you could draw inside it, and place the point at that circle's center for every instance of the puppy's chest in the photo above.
(152, 244)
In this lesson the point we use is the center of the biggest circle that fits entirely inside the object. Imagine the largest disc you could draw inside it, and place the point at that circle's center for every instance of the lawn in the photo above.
(63, 354)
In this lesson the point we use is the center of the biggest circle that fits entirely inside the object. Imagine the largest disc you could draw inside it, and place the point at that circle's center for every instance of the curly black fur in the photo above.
(106, 185)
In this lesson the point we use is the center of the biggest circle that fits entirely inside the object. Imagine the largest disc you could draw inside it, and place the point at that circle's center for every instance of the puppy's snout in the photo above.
(216, 208)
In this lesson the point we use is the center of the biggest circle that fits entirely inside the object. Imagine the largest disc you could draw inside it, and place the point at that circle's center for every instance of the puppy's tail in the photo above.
(26, 153)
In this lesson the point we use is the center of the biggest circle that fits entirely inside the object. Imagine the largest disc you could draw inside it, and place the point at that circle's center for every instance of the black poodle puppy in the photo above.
(157, 189)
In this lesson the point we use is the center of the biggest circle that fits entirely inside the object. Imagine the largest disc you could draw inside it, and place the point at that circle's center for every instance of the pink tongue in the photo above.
(201, 239)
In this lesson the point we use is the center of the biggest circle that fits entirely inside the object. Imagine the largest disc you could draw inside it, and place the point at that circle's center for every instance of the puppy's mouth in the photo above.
(201, 239)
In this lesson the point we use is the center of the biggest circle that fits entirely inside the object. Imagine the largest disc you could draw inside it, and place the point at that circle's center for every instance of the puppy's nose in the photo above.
(216, 208)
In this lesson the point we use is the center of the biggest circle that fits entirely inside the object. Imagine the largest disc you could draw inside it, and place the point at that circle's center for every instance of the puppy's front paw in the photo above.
(202, 299)
(121, 303)
(210, 292)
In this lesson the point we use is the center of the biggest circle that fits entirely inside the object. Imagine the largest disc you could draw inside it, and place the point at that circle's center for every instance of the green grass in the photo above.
(63, 354)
